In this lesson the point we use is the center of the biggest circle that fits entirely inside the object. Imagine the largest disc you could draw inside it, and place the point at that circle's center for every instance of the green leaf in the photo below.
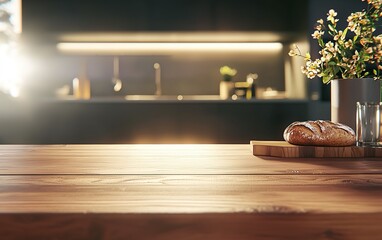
(321, 42)
(326, 79)
(331, 28)
(336, 69)
(327, 71)
(343, 36)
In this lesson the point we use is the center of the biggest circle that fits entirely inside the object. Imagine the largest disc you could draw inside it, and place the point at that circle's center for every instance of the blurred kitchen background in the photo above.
(147, 71)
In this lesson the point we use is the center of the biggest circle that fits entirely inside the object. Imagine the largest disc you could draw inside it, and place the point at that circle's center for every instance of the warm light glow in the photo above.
(18, 16)
(13, 8)
(11, 64)
(175, 37)
(10, 74)
(165, 48)
(14, 92)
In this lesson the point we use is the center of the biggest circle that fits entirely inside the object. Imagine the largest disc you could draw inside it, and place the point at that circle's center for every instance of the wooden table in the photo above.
(184, 192)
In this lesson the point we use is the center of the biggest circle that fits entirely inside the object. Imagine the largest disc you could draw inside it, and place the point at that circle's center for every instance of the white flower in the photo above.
(317, 34)
(337, 36)
(378, 39)
(319, 27)
(356, 56)
(352, 25)
(363, 41)
(349, 44)
(311, 75)
(330, 47)
(331, 15)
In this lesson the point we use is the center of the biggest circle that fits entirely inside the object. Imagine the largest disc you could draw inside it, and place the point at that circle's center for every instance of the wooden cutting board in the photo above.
(287, 150)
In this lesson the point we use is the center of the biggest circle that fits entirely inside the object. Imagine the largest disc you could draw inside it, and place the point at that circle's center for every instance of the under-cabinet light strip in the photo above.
(174, 37)
(165, 48)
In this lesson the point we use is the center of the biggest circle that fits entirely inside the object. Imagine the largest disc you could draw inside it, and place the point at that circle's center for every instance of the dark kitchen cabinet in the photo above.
(119, 121)
(55, 16)
(115, 15)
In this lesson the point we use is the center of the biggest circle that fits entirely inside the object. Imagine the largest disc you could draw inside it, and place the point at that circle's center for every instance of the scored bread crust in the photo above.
(319, 133)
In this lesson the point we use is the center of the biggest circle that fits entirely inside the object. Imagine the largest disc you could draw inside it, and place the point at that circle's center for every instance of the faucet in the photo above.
(116, 80)
(158, 90)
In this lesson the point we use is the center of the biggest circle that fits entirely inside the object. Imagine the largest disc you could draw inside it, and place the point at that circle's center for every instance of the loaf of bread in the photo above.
(319, 133)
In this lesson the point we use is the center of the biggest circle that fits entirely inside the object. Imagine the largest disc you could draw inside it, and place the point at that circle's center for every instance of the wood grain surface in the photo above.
(168, 159)
(191, 194)
(211, 226)
(184, 192)
(284, 149)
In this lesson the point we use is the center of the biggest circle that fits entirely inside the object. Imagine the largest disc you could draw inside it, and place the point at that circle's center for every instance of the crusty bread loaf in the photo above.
(319, 133)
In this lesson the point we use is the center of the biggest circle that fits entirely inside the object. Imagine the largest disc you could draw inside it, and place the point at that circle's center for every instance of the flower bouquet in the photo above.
(353, 52)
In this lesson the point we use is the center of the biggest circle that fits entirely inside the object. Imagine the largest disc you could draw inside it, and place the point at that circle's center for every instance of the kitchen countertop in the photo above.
(170, 99)
(167, 191)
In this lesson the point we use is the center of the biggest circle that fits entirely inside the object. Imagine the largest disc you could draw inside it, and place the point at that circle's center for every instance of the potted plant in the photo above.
(350, 59)
(227, 87)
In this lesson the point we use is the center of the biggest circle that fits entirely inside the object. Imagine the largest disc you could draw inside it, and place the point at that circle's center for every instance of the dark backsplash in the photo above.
(186, 74)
